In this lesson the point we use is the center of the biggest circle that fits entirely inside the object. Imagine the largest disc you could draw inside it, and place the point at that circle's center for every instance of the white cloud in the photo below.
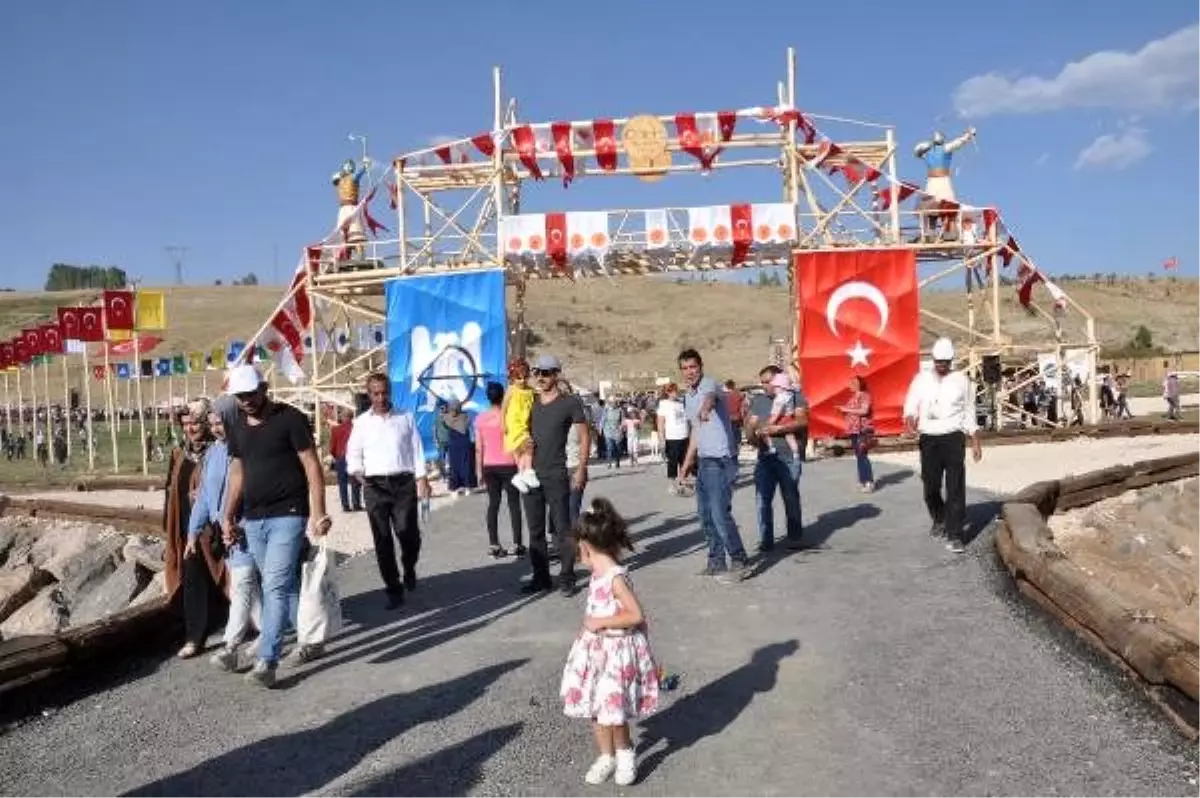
(1115, 150)
(1162, 75)
(1042, 159)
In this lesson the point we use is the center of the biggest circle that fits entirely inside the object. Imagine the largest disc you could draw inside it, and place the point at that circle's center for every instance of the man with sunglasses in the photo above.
(275, 478)
(554, 414)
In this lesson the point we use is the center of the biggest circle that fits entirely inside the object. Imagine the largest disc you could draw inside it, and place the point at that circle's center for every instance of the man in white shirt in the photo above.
(385, 454)
(940, 407)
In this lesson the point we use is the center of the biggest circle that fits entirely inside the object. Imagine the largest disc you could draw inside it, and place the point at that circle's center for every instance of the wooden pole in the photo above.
(49, 414)
(87, 403)
(141, 410)
(7, 406)
(110, 400)
(66, 403)
(33, 400)
(20, 403)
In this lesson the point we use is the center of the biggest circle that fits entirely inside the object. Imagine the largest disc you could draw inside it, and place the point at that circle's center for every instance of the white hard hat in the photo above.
(242, 378)
(943, 349)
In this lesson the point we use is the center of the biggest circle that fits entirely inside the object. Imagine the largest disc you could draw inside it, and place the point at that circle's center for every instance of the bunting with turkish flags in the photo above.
(21, 349)
(859, 316)
(8, 355)
(118, 310)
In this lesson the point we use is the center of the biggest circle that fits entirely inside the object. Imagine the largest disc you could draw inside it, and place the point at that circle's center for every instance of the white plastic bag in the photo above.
(319, 616)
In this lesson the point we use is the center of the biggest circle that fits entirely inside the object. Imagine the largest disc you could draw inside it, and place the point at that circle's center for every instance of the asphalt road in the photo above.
(875, 663)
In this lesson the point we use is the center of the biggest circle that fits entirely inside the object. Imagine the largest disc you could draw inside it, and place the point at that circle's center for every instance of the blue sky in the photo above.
(133, 125)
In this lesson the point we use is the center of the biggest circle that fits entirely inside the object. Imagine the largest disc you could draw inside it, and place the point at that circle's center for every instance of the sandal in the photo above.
(497, 552)
(188, 651)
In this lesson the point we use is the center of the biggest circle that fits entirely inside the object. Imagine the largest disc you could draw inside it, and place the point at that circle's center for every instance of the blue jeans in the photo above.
(770, 472)
(613, 443)
(714, 504)
(349, 490)
(865, 473)
(275, 546)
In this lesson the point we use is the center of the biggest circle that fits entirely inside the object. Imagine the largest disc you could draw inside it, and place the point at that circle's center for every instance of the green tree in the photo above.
(1142, 340)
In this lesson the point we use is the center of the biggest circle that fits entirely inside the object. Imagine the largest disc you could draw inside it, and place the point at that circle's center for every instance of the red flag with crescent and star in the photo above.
(118, 310)
(52, 342)
(91, 324)
(858, 315)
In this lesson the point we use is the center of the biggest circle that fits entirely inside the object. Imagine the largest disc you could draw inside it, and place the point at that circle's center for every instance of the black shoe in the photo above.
(566, 586)
(536, 586)
(765, 548)
(394, 601)
(358, 509)
(497, 552)
(345, 509)
(520, 551)
(410, 580)
(937, 529)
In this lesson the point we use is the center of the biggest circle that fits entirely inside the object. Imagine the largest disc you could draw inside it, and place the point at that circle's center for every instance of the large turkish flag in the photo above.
(858, 314)
(118, 310)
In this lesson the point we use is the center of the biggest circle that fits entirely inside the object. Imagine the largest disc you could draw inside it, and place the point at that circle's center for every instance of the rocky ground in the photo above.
(1142, 544)
(59, 574)
(875, 662)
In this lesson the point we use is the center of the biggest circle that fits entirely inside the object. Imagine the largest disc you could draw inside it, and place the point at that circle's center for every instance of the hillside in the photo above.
(637, 325)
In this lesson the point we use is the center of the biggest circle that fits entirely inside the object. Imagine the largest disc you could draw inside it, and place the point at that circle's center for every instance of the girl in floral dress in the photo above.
(610, 677)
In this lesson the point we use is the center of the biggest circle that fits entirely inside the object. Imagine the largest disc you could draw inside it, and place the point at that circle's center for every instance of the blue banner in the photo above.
(123, 371)
(162, 367)
(447, 339)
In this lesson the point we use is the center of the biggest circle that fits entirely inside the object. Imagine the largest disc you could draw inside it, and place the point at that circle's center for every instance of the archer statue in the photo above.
(939, 203)
(348, 181)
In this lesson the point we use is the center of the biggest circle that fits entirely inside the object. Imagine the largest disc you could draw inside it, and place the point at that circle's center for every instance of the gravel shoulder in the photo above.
(874, 663)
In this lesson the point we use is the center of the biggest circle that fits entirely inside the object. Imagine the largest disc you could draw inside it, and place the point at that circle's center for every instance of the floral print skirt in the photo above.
(610, 679)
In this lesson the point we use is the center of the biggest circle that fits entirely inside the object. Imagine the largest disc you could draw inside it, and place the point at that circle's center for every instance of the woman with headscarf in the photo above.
(196, 578)
(242, 580)
(459, 450)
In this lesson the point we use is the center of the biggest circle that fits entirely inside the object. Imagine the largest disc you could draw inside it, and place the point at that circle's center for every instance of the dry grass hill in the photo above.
(637, 325)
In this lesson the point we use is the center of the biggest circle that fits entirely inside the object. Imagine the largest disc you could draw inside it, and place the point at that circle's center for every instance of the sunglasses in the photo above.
(545, 372)
(245, 396)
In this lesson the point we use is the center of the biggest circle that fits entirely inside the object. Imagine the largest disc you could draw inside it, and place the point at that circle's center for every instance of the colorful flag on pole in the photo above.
(151, 310)
(179, 364)
(162, 368)
(120, 335)
(124, 371)
(1171, 263)
(147, 368)
(235, 352)
(195, 361)
(118, 310)
(216, 358)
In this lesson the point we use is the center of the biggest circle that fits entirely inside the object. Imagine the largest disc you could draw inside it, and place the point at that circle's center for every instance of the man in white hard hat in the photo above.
(940, 408)
(276, 479)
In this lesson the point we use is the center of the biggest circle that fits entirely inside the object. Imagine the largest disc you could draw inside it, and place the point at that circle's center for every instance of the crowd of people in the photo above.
(245, 502)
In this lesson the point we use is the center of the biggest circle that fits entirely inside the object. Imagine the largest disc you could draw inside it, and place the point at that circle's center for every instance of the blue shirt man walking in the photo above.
(713, 453)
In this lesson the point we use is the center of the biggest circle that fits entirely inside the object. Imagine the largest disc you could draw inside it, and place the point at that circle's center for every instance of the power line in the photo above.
(177, 253)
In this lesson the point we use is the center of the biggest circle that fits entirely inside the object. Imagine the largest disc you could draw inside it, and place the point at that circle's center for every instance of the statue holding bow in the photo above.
(937, 155)
(348, 181)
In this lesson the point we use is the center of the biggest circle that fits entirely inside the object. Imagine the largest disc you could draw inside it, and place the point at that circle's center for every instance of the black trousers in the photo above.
(675, 451)
(392, 510)
(202, 600)
(553, 498)
(944, 456)
(498, 480)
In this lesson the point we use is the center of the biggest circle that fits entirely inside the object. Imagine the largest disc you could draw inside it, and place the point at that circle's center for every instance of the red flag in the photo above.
(525, 140)
(556, 239)
(52, 342)
(91, 324)
(118, 310)
(98, 372)
(8, 355)
(21, 349)
(374, 225)
(1171, 263)
(485, 144)
(137, 343)
(561, 131)
(33, 341)
(393, 195)
(1010, 248)
(741, 218)
(858, 314)
(604, 133)
(1029, 277)
(68, 323)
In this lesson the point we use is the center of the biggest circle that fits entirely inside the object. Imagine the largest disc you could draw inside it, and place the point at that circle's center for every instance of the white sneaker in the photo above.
(530, 479)
(519, 483)
(601, 769)
(626, 770)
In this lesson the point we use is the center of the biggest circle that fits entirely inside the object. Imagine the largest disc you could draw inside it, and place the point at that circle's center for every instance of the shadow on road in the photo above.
(893, 478)
(451, 771)
(706, 712)
(979, 515)
(293, 764)
(817, 533)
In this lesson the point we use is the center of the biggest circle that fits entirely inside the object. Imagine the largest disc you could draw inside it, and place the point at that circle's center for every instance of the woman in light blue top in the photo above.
(207, 509)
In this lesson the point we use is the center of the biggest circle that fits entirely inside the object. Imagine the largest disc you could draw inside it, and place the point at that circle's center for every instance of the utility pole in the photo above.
(177, 253)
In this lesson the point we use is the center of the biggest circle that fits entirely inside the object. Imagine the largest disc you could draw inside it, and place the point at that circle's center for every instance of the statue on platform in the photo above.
(348, 181)
(937, 155)
(938, 208)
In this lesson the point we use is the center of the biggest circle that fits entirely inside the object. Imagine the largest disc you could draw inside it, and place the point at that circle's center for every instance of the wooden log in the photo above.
(144, 521)
(22, 656)
(1092, 479)
(1183, 671)
(1161, 477)
(1042, 495)
(1083, 498)
(114, 631)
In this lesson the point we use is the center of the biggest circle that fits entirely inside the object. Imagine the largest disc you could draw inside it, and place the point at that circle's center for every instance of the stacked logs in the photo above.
(1164, 663)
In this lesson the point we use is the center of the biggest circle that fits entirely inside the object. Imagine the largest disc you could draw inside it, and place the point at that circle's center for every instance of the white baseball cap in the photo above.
(242, 378)
(943, 349)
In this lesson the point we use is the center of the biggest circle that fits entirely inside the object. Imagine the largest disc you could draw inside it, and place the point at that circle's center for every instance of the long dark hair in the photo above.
(603, 528)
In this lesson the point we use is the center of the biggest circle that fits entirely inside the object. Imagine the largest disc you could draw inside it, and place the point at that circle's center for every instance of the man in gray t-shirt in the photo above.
(777, 466)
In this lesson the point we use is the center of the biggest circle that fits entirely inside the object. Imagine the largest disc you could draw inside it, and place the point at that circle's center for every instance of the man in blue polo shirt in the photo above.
(713, 453)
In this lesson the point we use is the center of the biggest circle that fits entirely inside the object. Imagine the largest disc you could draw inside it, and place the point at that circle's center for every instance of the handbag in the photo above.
(216, 541)
(867, 439)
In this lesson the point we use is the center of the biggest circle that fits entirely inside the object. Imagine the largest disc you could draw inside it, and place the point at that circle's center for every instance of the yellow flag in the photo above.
(217, 358)
(151, 310)
(120, 335)
(196, 361)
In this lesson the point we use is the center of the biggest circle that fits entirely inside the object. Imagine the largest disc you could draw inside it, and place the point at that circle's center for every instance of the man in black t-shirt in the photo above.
(276, 479)
(554, 413)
